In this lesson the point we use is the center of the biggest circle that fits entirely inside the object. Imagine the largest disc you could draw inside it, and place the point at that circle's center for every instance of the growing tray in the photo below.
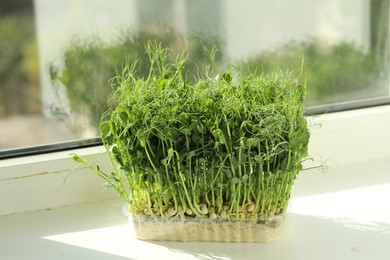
(207, 230)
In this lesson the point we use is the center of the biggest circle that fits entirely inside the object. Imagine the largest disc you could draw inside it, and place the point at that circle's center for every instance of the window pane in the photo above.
(57, 56)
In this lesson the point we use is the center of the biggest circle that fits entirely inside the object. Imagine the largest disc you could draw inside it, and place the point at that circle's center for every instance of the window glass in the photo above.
(57, 56)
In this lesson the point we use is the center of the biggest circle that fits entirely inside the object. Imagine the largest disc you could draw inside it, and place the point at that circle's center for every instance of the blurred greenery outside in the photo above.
(19, 67)
(89, 64)
(333, 71)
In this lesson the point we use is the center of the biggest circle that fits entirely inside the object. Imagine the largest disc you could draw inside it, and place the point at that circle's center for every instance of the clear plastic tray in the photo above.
(204, 229)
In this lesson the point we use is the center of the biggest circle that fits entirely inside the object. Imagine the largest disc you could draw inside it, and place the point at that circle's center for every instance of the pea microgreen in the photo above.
(223, 145)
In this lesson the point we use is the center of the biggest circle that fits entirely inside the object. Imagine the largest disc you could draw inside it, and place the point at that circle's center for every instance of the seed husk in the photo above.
(213, 216)
(250, 207)
(203, 209)
(189, 212)
(170, 212)
(242, 215)
(223, 214)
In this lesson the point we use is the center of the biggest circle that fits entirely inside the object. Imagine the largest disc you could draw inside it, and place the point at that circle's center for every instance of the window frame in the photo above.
(42, 181)
(91, 142)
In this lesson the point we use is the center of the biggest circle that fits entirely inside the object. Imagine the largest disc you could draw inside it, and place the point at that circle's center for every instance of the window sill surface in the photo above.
(339, 219)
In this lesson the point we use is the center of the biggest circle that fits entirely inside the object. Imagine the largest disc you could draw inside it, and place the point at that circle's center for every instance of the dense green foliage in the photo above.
(224, 145)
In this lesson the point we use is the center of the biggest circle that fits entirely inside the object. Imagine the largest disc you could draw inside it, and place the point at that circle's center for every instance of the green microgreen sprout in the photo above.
(227, 145)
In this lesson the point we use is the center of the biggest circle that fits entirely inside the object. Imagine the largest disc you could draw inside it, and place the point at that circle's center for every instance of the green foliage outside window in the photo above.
(334, 72)
(91, 63)
(19, 70)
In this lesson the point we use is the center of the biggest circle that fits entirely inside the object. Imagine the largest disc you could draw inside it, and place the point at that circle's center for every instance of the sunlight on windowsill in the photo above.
(342, 215)
(361, 208)
(119, 238)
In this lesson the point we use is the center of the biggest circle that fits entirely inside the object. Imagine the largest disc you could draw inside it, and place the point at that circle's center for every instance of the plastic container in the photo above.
(204, 229)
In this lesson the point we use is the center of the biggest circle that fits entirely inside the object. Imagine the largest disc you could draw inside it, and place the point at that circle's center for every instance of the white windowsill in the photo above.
(342, 214)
